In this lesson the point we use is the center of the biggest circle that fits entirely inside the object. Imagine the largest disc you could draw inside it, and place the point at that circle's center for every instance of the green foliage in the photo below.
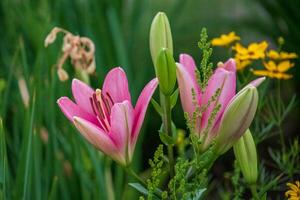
(287, 161)
(206, 66)
(157, 172)
(236, 182)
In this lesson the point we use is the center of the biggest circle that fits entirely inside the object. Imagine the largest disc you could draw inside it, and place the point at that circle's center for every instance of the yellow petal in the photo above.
(271, 66)
(286, 55)
(293, 187)
(239, 48)
(273, 54)
(262, 73)
(241, 64)
(284, 66)
(282, 76)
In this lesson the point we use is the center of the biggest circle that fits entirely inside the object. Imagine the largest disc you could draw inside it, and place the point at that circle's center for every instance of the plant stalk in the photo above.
(167, 127)
(141, 181)
(280, 121)
(254, 191)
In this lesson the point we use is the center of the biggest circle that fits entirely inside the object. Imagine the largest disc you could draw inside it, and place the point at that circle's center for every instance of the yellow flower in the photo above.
(281, 55)
(294, 191)
(241, 64)
(253, 52)
(225, 40)
(274, 70)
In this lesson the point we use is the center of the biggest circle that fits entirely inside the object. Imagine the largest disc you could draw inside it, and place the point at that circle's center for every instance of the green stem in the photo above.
(141, 181)
(254, 191)
(167, 126)
(279, 111)
(134, 175)
(108, 179)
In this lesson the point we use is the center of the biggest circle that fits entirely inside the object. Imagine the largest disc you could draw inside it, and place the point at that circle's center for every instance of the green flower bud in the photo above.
(246, 156)
(166, 71)
(236, 118)
(160, 36)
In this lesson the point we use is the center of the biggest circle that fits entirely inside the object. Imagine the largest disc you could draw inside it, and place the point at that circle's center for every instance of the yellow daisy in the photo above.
(294, 191)
(253, 52)
(281, 55)
(274, 70)
(225, 40)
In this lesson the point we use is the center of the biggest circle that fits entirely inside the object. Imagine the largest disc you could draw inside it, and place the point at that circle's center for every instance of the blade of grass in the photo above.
(3, 161)
(28, 150)
(53, 190)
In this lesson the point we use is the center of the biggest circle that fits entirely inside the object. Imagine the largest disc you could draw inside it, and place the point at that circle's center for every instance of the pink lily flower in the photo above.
(106, 118)
(224, 78)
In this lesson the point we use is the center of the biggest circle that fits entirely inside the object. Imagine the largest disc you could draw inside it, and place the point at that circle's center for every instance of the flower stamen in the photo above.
(101, 105)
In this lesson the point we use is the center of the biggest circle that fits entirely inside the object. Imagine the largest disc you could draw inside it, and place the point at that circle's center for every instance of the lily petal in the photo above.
(258, 81)
(70, 109)
(224, 78)
(122, 117)
(99, 139)
(188, 62)
(186, 85)
(82, 93)
(141, 108)
(237, 118)
(116, 85)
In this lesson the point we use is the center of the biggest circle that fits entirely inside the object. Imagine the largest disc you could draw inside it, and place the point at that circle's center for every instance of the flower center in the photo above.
(102, 104)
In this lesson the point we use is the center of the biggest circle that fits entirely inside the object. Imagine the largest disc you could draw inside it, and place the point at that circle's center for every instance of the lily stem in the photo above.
(167, 127)
(254, 191)
(141, 181)
(280, 120)
(134, 175)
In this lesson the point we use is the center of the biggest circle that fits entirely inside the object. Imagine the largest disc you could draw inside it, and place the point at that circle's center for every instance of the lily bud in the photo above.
(160, 36)
(237, 118)
(166, 71)
(246, 156)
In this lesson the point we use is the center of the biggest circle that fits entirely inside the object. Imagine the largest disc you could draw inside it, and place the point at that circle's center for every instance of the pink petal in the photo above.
(122, 117)
(185, 85)
(141, 108)
(188, 62)
(82, 93)
(224, 78)
(99, 139)
(70, 109)
(257, 81)
(116, 84)
(230, 65)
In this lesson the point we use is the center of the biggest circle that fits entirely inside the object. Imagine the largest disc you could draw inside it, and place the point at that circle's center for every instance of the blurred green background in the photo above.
(65, 166)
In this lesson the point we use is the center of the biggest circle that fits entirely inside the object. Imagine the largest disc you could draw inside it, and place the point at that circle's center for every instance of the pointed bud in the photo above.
(236, 118)
(62, 74)
(246, 156)
(166, 71)
(160, 36)
(51, 37)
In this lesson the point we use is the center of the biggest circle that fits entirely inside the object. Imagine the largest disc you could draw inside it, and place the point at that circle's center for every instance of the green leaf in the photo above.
(174, 98)
(166, 139)
(199, 193)
(53, 188)
(156, 106)
(139, 188)
(3, 158)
